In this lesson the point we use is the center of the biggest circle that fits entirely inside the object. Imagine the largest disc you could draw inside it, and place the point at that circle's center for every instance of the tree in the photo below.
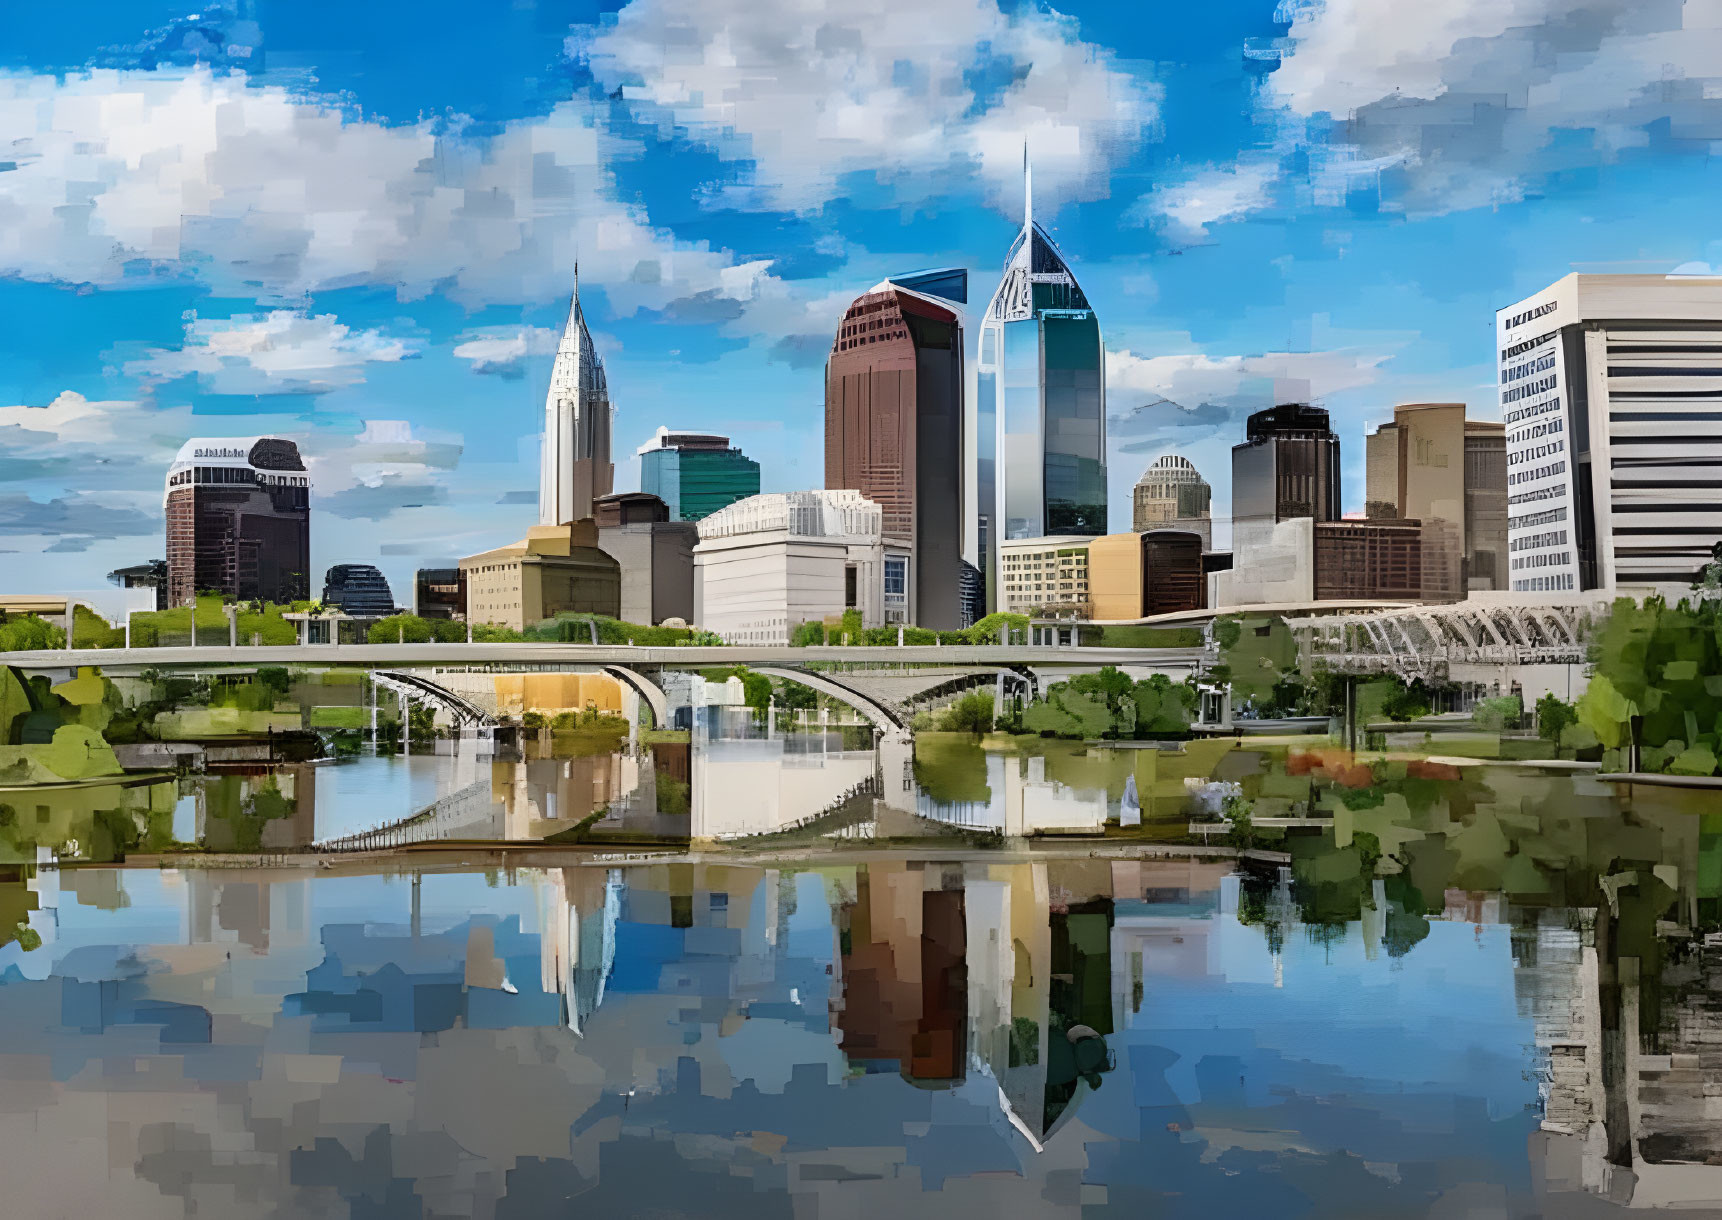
(1553, 716)
(808, 635)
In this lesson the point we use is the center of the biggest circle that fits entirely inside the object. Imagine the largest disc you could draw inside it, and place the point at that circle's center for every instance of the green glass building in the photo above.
(696, 473)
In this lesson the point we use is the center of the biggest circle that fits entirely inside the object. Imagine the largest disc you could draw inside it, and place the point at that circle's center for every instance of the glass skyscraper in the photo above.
(1040, 405)
(696, 473)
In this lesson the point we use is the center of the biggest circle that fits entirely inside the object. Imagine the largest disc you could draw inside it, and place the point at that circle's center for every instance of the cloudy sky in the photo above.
(356, 224)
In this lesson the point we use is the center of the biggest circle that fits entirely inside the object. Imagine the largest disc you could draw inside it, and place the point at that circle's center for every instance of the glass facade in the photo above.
(1040, 408)
(695, 483)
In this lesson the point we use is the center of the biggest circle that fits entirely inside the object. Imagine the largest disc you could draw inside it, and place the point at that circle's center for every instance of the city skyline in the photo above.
(1214, 215)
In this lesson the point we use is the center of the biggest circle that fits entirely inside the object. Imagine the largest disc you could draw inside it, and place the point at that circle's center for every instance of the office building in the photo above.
(894, 425)
(1172, 495)
(1369, 560)
(1039, 426)
(1287, 467)
(1485, 505)
(1134, 575)
(655, 554)
(238, 521)
(439, 593)
(575, 465)
(696, 473)
(769, 563)
(555, 569)
(1044, 576)
(1415, 469)
(358, 590)
(1608, 387)
(145, 585)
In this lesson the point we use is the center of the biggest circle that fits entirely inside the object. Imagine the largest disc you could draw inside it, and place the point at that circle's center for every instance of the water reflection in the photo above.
(1036, 1037)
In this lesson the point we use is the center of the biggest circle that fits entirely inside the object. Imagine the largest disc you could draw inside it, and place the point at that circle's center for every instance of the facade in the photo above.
(769, 563)
(238, 521)
(655, 554)
(1287, 467)
(1134, 575)
(439, 593)
(1172, 495)
(1039, 423)
(358, 589)
(1485, 505)
(145, 584)
(894, 418)
(555, 569)
(696, 473)
(575, 465)
(1369, 560)
(1044, 576)
(1608, 386)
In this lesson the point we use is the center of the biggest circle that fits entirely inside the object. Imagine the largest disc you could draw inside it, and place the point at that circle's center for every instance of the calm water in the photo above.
(841, 1038)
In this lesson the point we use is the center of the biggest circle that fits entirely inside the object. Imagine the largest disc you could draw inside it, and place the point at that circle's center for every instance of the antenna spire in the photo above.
(1027, 191)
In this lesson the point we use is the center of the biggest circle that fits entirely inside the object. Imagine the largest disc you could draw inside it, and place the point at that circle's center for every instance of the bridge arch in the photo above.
(647, 689)
(883, 717)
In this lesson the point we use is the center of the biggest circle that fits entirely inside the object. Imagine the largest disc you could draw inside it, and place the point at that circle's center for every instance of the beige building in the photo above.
(1432, 465)
(1158, 571)
(1171, 494)
(1044, 575)
(555, 569)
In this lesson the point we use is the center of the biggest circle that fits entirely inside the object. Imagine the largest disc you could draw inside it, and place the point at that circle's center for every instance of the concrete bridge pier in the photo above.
(897, 770)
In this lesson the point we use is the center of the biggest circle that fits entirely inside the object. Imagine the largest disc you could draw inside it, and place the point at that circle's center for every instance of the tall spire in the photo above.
(1027, 191)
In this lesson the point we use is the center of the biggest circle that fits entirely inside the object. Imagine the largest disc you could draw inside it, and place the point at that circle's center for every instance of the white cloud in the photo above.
(1210, 195)
(1194, 378)
(281, 352)
(1475, 100)
(503, 350)
(255, 190)
(809, 90)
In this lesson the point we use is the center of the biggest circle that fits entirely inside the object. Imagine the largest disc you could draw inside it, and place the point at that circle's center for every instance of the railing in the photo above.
(457, 810)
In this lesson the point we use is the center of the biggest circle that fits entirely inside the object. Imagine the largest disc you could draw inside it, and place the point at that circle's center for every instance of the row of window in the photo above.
(1547, 516)
(1541, 472)
(1535, 408)
(1528, 390)
(1543, 584)
(1553, 559)
(1540, 493)
(1546, 428)
(1530, 542)
(1535, 452)
(1542, 364)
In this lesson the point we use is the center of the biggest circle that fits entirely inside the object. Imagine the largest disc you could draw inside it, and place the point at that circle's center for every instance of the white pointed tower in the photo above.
(575, 466)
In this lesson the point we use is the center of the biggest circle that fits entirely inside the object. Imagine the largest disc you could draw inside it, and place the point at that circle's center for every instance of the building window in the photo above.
(850, 597)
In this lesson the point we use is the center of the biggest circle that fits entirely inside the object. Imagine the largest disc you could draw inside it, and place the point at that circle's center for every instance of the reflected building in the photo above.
(1040, 405)
(894, 418)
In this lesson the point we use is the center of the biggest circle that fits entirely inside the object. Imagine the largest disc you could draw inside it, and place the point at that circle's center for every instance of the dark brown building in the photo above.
(1375, 559)
(1288, 466)
(894, 427)
(439, 593)
(239, 521)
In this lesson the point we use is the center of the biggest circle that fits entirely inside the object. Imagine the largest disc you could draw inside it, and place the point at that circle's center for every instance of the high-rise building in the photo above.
(769, 563)
(1288, 466)
(358, 590)
(1415, 470)
(1171, 494)
(656, 556)
(1608, 386)
(439, 593)
(894, 425)
(239, 521)
(1485, 505)
(1044, 576)
(696, 473)
(1135, 575)
(1039, 426)
(575, 462)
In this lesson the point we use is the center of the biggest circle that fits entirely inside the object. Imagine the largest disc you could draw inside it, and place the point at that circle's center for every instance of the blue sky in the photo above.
(357, 225)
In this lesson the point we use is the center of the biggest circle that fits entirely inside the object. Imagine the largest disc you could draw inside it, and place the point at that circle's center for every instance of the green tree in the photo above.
(1553, 716)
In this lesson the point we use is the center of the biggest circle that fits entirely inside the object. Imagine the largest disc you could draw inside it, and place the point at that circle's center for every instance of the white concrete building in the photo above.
(1611, 392)
(769, 563)
(1047, 575)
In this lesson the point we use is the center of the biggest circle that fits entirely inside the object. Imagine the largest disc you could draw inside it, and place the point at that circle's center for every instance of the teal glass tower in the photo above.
(1040, 405)
(696, 473)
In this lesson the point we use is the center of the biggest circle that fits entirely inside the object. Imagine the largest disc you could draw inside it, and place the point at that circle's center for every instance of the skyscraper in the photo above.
(239, 520)
(1607, 387)
(1171, 494)
(358, 589)
(696, 473)
(1040, 404)
(575, 464)
(1287, 467)
(894, 426)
